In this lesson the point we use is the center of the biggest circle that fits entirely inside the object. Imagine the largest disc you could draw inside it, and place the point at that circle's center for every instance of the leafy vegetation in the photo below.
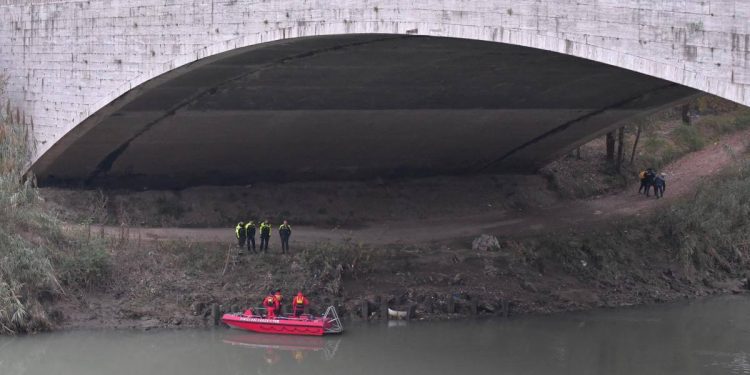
(714, 226)
(706, 237)
(328, 265)
(39, 259)
(663, 139)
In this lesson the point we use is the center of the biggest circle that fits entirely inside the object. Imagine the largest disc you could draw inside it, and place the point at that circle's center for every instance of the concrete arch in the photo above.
(538, 133)
(522, 38)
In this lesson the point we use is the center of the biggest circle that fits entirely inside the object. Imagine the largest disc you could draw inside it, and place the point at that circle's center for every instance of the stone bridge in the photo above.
(181, 92)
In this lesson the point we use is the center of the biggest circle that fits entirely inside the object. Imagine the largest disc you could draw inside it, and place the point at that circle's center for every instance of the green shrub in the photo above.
(195, 257)
(169, 208)
(690, 138)
(329, 264)
(715, 224)
(742, 121)
(86, 264)
(657, 153)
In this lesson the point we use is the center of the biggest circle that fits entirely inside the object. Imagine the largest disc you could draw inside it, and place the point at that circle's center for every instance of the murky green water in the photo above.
(704, 337)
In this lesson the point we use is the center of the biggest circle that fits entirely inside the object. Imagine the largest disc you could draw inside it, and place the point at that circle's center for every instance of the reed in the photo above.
(39, 259)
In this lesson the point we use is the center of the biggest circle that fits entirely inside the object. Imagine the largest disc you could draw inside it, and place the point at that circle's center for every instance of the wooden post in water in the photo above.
(506, 308)
(451, 305)
(378, 301)
(429, 306)
(383, 309)
(411, 313)
(474, 306)
(365, 310)
(340, 309)
(216, 313)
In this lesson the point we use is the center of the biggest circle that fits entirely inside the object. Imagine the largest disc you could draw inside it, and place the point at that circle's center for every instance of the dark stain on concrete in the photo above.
(566, 125)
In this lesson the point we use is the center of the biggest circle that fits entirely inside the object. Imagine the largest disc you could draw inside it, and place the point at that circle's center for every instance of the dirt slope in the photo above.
(166, 284)
(683, 176)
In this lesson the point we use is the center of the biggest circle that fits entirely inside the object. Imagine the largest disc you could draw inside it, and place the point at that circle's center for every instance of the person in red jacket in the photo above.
(299, 304)
(271, 304)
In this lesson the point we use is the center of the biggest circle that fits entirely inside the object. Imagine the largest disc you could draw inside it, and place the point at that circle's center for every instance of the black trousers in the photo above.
(643, 187)
(284, 244)
(251, 242)
(658, 191)
(241, 241)
(264, 243)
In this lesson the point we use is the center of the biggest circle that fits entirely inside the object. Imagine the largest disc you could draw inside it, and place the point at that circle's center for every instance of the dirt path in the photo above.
(683, 176)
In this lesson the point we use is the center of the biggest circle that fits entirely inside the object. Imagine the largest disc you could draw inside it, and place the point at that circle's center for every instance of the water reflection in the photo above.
(298, 346)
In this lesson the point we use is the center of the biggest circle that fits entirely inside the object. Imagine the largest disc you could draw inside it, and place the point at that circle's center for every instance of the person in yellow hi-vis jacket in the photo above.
(239, 232)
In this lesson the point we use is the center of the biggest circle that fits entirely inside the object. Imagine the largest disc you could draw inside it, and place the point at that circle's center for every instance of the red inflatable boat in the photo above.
(286, 325)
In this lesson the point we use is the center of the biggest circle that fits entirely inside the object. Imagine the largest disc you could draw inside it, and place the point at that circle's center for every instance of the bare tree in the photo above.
(611, 146)
(639, 128)
(620, 146)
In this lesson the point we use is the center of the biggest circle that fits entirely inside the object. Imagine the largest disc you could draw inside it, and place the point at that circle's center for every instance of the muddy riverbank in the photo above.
(175, 284)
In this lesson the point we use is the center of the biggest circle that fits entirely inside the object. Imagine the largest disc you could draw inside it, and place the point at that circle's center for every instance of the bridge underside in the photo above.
(352, 107)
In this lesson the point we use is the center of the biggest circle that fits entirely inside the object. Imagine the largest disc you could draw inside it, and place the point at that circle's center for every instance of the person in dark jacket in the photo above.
(650, 175)
(285, 231)
(265, 235)
(250, 233)
(239, 232)
(660, 185)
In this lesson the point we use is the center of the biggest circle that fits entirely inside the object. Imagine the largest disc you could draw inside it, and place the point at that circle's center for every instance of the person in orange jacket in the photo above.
(299, 304)
(271, 304)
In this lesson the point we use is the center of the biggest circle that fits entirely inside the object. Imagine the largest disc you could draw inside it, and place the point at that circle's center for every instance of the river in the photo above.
(709, 336)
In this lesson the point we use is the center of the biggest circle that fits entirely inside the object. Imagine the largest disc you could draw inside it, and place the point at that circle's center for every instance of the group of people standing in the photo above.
(245, 232)
(272, 303)
(649, 178)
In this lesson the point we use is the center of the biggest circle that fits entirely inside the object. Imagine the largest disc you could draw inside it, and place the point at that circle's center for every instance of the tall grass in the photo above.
(714, 226)
(703, 237)
(662, 145)
(39, 260)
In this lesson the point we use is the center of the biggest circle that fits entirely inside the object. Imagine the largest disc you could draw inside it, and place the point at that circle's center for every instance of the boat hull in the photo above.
(281, 326)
